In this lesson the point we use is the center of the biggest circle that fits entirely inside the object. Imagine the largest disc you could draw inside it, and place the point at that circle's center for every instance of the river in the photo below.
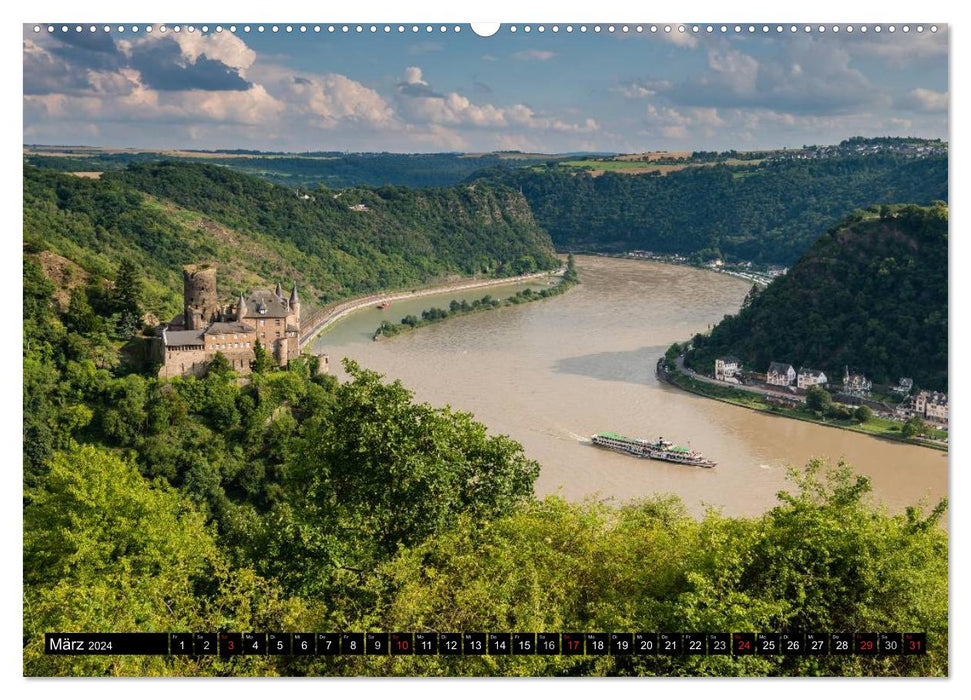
(551, 373)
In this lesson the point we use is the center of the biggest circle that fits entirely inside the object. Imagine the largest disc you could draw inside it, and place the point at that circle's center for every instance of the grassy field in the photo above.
(878, 427)
(598, 166)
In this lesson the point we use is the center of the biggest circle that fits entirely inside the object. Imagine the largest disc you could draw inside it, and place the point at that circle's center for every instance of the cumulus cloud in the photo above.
(164, 65)
(924, 100)
(898, 48)
(810, 77)
(684, 39)
(333, 99)
(224, 47)
(143, 104)
(418, 102)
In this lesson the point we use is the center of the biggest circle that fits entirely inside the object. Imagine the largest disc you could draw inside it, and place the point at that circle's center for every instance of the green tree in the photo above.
(80, 317)
(913, 427)
(818, 399)
(129, 289)
(262, 361)
(863, 414)
(107, 551)
(384, 471)
(825, 557)
(219, 365)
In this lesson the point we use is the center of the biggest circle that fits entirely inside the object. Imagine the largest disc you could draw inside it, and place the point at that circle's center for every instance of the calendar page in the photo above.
(531, 349)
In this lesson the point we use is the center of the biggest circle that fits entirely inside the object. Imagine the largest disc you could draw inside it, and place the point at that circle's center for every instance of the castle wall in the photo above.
(184, 363)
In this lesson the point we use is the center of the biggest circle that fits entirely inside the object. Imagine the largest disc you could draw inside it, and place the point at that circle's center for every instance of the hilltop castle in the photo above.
(187, 344)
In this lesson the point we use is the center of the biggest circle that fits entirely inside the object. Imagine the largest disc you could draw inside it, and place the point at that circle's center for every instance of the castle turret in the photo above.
(295, 305)
(199, 296)
(241, 307)
(279, 290)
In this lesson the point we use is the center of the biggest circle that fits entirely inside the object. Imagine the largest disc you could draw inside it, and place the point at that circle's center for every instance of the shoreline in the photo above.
(401, 328)
(327, 317)
(667, 376)
(760, 280)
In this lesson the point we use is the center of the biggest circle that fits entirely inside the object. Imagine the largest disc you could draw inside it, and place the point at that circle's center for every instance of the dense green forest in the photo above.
(769, 212)
(335, 244)
(335, 170)
(295, 502)
(870, 294)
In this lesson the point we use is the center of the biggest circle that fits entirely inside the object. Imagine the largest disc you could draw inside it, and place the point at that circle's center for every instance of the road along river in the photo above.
(551, 373)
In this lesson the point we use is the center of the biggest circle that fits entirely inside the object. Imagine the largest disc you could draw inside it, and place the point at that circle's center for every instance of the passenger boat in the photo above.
(660, 449)
(384, 305)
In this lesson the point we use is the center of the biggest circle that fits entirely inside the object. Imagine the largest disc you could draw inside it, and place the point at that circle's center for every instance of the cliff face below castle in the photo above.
(333, 243)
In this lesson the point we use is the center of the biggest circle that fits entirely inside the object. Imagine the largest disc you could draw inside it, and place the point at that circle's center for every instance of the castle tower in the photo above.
(241, 309)
(199, 296)
(279, 290)
(295, 306)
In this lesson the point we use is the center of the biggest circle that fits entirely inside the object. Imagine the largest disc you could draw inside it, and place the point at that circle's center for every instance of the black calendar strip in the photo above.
(735, 644)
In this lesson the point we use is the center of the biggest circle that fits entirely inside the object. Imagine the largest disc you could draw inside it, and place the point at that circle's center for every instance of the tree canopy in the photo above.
(870, 295)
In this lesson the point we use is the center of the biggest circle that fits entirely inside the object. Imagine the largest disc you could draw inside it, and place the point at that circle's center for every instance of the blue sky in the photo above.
(410, 92)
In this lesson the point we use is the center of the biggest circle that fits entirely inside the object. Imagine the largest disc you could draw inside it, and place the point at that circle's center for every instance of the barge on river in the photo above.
(653, 449)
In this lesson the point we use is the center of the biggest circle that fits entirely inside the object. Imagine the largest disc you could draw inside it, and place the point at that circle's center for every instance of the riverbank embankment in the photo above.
(328, 315)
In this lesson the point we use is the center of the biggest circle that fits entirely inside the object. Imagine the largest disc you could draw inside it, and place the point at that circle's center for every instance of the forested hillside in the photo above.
(769, 213)
(332, 169)
(333, 243)
(870, 294)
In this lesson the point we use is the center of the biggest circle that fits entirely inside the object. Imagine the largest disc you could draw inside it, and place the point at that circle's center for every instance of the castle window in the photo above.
(278, 322)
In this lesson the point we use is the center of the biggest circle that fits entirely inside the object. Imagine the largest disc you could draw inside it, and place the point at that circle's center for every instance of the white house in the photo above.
(810, 377)
(856, 384)
(932, 405)
(726, 368)
(904, 386)
(780, 374)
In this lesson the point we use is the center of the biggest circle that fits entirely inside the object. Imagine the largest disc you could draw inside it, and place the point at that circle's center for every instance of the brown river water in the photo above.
(551, 373)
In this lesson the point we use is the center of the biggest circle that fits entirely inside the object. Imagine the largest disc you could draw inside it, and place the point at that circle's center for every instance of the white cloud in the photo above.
(683, 39)
(734, 69)
(220, 46)
(899, 48)
(418, 102)
(143, 105)
(413, 76)
(924, 100)
(639, 89)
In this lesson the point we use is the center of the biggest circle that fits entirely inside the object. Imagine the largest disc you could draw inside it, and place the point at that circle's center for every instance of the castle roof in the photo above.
(294, 299)
(228, 327)
(779, 368)
(175, 338)
(263, 303)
